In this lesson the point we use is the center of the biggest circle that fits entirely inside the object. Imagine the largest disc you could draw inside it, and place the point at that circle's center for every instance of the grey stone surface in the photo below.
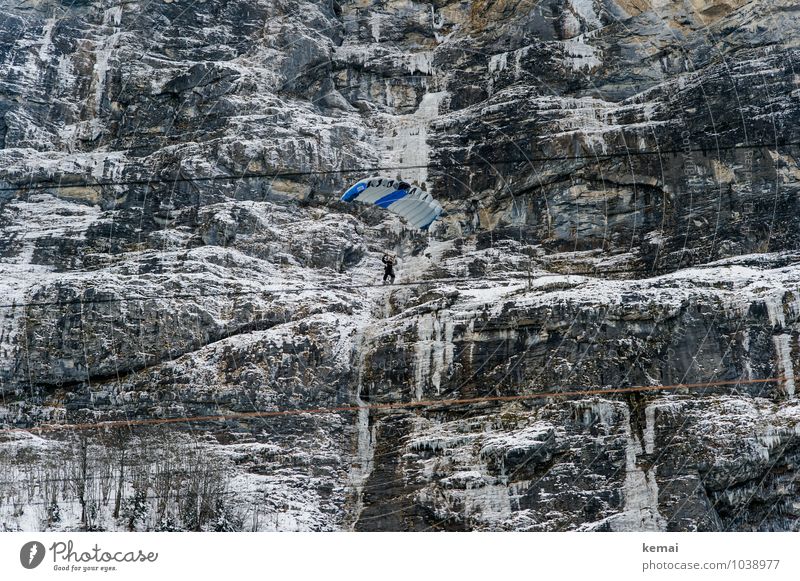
(620, 188)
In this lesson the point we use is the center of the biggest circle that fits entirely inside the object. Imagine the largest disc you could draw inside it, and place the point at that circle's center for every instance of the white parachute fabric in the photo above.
(416, 206)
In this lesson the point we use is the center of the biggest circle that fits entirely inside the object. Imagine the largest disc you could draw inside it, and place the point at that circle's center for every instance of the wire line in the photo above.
(382, 406)
(431, 166)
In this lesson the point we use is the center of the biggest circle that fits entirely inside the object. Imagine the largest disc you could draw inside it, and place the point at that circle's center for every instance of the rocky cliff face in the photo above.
(620, 185)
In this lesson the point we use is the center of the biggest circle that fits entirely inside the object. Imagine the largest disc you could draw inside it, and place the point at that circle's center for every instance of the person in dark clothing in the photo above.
(388, 268)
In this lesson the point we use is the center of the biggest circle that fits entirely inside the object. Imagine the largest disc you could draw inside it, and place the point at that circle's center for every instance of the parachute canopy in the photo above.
(410, 202)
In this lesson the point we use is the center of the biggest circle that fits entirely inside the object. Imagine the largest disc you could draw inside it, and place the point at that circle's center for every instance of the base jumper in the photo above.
(388, 268)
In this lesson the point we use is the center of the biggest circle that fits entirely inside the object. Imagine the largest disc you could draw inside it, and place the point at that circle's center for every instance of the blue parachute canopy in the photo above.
(410, 202)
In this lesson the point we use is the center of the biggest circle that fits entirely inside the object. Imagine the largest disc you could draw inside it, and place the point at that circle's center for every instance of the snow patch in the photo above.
(375, 26)
(405, 141)
(498, 62)
(47, 43)
(783, 354)
(585, 9)
(420, 61)
(579, 55)
(774, 305)
(649, 429)
(363, 462)
(640, 489)
(434, 352)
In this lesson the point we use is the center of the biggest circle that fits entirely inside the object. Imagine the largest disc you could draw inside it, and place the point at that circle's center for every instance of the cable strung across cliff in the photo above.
(341, 287)
(294, 289)
(430, 403)
(274, 291)
(289, 173)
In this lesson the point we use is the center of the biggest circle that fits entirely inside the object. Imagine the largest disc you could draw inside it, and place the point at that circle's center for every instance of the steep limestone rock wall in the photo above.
(619, 181)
